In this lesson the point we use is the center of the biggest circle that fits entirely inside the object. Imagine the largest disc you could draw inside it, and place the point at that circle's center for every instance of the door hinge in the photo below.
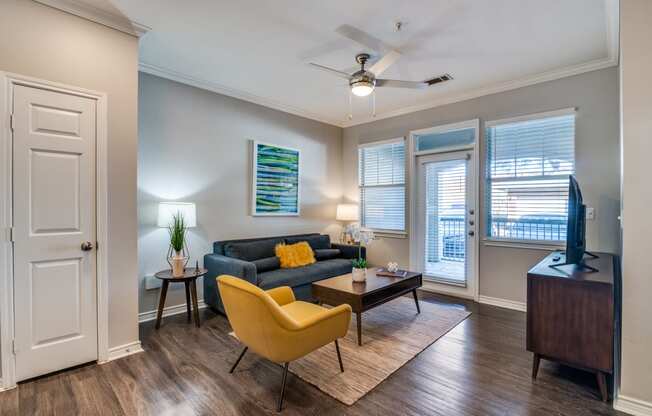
(13, 347)
(10, 234)
(11, 122)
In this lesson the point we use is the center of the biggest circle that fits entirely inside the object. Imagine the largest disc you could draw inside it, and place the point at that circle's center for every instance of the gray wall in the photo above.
(595, 94)
(194, 145)
(45, 43)
(636, 67)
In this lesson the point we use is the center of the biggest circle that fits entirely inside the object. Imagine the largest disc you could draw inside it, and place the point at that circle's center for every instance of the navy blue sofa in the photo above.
(254, 260)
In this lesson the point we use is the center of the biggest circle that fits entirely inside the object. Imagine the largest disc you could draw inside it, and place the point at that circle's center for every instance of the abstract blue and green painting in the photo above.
(276, 183)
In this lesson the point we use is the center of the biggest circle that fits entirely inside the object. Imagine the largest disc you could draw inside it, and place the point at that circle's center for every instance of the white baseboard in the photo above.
(503, 303)
(124, 350)
(633, 406)
(167, 311)
(3, 388)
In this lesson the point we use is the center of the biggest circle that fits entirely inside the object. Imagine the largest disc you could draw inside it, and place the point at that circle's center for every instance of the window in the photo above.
(382, 186)
(527, 168)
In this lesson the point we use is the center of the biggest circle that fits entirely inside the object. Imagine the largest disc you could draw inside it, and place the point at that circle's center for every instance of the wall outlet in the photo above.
(152, 282)
(590, 213)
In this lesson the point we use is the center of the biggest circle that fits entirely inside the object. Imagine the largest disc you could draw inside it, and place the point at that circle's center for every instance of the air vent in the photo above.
(437, 80)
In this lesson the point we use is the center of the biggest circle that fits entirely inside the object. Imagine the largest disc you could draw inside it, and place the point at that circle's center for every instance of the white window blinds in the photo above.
(382, 185)
(527, 169)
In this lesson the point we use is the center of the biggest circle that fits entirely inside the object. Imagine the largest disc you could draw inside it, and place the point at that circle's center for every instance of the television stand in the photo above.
(574, 319)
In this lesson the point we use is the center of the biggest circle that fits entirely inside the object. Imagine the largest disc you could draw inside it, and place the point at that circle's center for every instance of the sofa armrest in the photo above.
(217, 265)
(350, 251)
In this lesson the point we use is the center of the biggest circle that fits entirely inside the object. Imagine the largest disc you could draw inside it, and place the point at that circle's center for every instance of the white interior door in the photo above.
(54, 215)
(446, 221)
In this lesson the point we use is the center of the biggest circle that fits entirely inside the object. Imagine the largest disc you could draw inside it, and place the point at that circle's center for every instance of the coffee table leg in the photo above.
(193, 293)
(188, 308)
(416, 300)
(358, 318)
(161, 302)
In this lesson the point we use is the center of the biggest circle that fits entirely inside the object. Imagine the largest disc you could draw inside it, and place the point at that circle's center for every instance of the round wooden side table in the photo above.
(189, 278)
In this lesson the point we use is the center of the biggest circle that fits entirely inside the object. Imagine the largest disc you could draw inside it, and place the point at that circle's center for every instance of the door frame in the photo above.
(7, 83)
(414, 183)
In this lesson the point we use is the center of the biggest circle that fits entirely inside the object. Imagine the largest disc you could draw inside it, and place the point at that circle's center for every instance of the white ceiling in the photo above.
(257, 49)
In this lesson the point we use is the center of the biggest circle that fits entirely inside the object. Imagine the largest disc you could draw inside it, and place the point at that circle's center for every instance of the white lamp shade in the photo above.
(347, 212)
(166, 210)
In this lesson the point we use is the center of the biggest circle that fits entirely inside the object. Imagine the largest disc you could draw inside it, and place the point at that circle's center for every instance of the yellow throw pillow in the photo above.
(294, 255)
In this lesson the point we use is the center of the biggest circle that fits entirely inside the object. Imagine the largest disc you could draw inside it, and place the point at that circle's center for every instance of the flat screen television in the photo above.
(576, 228)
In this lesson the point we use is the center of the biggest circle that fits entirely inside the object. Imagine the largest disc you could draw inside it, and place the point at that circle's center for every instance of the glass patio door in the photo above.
(446, 218)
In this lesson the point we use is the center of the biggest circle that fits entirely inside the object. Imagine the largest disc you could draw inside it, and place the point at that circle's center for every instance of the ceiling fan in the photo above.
(364, 81)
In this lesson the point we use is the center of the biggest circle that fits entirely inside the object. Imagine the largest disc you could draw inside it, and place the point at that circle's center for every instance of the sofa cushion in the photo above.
(252, 250)
(304, 275)
(266, 264)
(316, 241)
(327, 253)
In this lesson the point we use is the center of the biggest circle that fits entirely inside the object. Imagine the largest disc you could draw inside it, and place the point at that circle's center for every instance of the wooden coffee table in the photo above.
(366, 295)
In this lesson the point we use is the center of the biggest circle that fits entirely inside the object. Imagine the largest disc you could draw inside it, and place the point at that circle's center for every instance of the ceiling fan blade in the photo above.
(385, 62)
(330, 70)
(362, 38)
(393, 83)
(413, 84)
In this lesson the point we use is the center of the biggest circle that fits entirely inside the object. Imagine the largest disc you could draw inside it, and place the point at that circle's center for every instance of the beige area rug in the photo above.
(392, 334)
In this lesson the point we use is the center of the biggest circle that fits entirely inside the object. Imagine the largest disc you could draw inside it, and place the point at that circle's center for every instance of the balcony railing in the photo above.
(534, 229)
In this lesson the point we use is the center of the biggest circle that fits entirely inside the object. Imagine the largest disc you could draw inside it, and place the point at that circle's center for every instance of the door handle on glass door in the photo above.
(471, 233)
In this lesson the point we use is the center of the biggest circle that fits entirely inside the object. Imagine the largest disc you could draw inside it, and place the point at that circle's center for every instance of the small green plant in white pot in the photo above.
(177, 255)
(359, 271)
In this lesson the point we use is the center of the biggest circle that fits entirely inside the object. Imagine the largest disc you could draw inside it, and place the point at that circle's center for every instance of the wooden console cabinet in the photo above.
(573, 315)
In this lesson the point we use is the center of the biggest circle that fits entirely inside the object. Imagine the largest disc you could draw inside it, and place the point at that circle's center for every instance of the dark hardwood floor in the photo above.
(479, 368)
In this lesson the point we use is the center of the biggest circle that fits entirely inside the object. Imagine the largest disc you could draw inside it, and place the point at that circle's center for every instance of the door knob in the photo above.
(86, 246)
(471, 222)
(471, 233)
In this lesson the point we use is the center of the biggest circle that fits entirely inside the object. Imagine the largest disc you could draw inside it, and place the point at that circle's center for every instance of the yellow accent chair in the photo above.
(278, 327)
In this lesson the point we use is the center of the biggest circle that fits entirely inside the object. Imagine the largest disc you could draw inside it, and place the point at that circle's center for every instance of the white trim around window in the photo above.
(527, 117)
(542, 244)
(384, 232)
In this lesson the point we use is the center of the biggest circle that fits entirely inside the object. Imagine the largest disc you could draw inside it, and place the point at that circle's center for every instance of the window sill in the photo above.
(389, 234)
(528, 245)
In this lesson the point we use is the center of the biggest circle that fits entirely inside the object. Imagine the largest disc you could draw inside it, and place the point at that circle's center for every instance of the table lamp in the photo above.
(348, 213)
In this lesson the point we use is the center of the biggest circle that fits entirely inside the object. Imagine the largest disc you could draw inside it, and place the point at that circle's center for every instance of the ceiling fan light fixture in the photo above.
(362, 88)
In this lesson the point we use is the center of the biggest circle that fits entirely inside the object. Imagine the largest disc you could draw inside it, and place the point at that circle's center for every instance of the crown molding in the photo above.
(94, 14)
(480, 92)
(454, 98)
(231, 92)
(612, 14)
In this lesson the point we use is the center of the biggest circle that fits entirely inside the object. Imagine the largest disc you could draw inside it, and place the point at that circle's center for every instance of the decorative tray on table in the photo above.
(384, 272)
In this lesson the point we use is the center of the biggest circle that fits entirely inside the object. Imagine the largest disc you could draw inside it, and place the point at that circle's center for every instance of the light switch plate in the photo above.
(590, 213)
(152, 282)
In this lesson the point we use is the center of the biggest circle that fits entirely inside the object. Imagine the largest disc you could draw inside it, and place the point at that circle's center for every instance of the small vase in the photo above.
(359, 275)
(178, 262)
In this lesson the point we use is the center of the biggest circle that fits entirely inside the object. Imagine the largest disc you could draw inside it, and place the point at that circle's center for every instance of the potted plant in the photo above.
(177, 257)
(359, 271)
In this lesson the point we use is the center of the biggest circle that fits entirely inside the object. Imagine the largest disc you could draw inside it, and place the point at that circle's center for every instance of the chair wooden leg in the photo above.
(238, 360)
(285, 377)
(339, 356)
